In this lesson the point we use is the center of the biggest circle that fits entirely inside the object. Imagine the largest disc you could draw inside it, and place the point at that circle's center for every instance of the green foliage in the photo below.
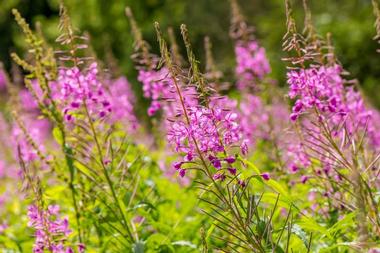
(114, 191)
(104, 19)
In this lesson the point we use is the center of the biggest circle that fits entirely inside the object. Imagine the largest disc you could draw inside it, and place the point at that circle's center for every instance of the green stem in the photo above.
(106, 174)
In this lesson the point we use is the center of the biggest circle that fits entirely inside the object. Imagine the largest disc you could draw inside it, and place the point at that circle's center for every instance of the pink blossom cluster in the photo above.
(326, 103)
(82, 89)
(254, 118)
(6, 164)
(295, 156)
(317, 87)
(51, 231)
(260, 120)
(123, 100)
(38, 130)
(157, 87)
(208, 136)
(252, 66)
(322, 90)
(362, 118)
(252, 63)
(27, 101)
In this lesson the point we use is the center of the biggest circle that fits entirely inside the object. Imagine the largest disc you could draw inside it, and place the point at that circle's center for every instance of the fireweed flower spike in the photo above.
(324, 147)
(88, 103)
(336, 127)
(200, 134)
(251, 64)
(78, 87)
(251, 71)
(260, 119)
(120, 95)
(155, 82)
(51, 231)
(40, 81)
(209, 139)
(154, 85)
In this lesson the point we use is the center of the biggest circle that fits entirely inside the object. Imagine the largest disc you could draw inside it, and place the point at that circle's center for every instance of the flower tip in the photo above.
(265, 176)
(182, 172)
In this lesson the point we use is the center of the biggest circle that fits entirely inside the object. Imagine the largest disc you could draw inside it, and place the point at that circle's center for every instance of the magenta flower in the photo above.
(219, 176)
(182, 172)
(232, 171)
(38, 130)
(304, 178)
(320, 88)
(254, 118)
(252, 64)
(230, 160)
(210, 133)
(51, 231)
(81, 248)
(122, 106)
(265, 176)
(79, 88)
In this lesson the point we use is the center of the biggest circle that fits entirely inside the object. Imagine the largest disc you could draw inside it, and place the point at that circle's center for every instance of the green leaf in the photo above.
(279, 189)
(298, 231)
(210, 230)
(83, 169)
(252, 166)
(347, 245)
(309, 224)
(58, 135)
(185, 243)
(343, 224)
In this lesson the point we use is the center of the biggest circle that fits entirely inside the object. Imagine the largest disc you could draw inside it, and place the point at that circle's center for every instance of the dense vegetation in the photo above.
(115, 140)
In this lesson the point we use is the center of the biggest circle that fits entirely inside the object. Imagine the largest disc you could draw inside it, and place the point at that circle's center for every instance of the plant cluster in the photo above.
(223, 164)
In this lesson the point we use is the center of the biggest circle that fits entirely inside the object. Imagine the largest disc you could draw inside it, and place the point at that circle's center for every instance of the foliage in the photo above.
(187, 154)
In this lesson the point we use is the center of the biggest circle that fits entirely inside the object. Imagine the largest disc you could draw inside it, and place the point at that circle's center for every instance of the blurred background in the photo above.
(350, 22)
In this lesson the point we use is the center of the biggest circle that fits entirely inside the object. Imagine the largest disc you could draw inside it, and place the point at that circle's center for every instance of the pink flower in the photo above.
(122, 106)
(230, 160)
(304, 178)
(182, 172)
(252, 63)
(81, 248)
(320, 87)
(50, 230)
(204, 135)
(265, 176)
(219, 176)
(79, 88)
(232, 171)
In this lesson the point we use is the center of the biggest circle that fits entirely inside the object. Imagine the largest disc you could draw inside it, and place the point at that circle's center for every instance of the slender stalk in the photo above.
(105, 171)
